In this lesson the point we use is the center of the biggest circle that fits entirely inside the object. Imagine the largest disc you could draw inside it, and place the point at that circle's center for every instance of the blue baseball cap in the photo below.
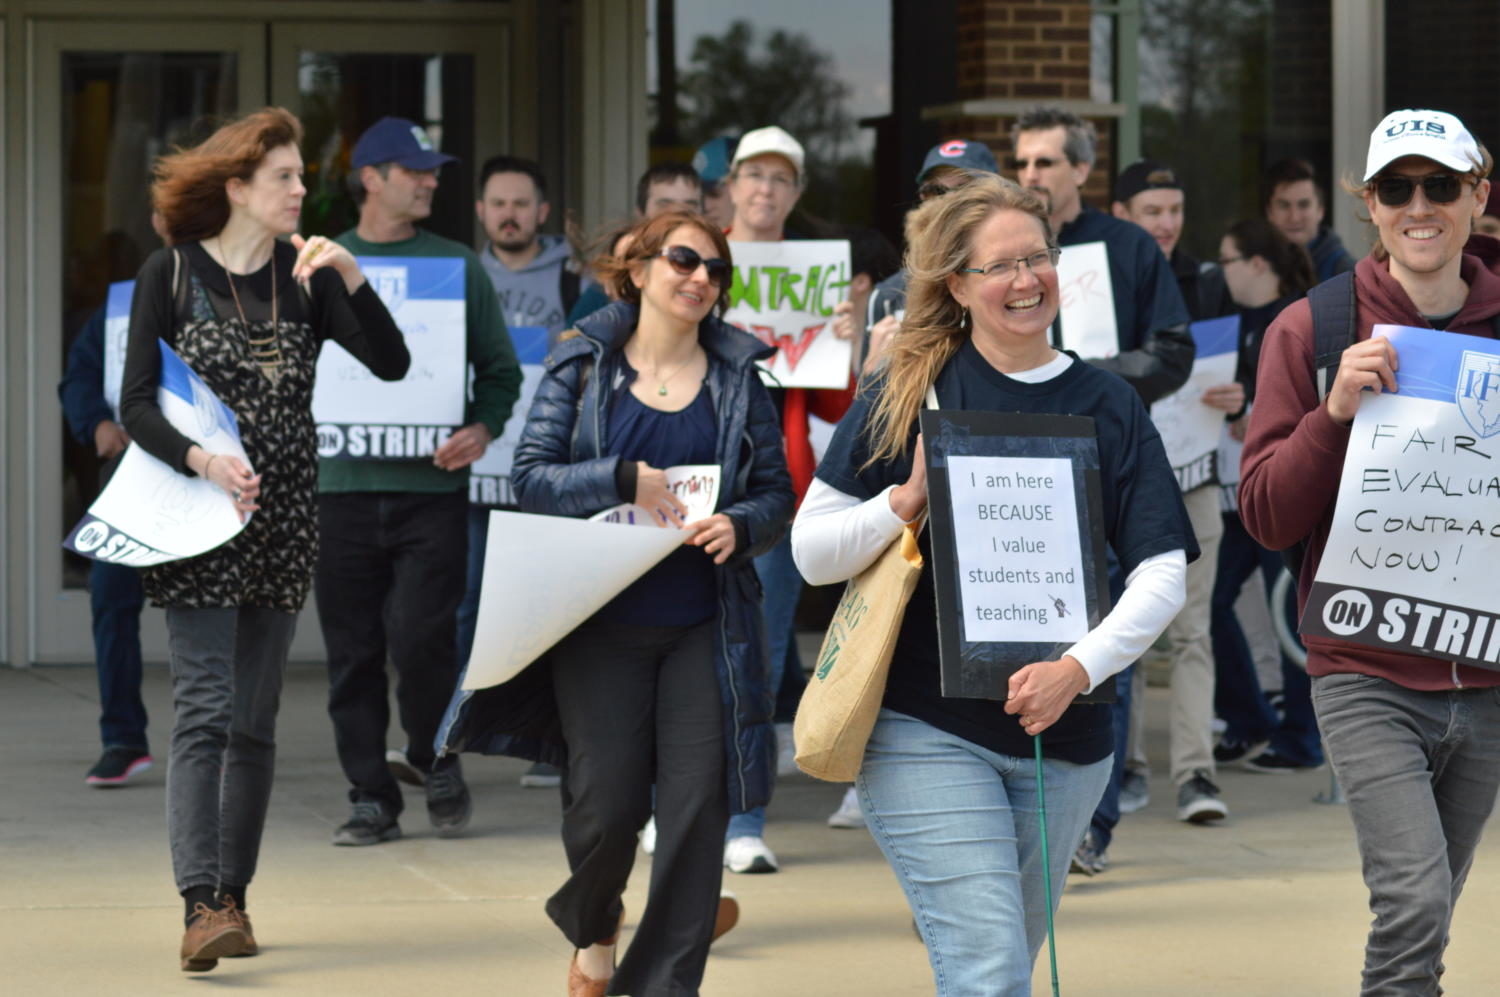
(397, 140)
(713, 158)
(965, 154)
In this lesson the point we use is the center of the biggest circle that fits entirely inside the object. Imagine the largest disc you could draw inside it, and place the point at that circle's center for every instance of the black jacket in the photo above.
(561, 468)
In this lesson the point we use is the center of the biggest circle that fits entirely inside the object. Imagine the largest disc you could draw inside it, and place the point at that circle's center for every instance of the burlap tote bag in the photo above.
(838, 707)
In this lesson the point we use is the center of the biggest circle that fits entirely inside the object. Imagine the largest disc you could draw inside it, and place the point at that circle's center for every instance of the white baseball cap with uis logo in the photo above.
(1434, 135)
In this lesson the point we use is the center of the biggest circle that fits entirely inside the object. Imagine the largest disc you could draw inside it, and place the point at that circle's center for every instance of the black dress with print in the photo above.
(265, 375)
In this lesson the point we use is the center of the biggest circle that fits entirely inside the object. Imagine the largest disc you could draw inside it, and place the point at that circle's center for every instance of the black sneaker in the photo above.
(1232, 750)
(448, 804)
(1198, 800)
(369, 824)
(1274, 763)
(117, 765)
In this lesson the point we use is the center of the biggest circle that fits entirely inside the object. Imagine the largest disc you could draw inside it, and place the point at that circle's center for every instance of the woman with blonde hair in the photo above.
(248, 313)
(948, 786)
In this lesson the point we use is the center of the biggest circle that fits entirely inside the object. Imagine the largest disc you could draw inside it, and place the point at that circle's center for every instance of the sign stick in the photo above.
(1041, 812)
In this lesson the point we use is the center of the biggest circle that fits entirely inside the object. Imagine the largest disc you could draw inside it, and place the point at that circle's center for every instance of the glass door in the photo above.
(106, 100)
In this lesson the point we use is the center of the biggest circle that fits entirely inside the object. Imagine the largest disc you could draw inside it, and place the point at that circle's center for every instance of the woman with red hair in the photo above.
(248, 313)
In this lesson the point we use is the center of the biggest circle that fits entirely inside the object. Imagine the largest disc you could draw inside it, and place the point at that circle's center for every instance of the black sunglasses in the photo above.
(1396, 191)
(687, 261)
(1041, 162)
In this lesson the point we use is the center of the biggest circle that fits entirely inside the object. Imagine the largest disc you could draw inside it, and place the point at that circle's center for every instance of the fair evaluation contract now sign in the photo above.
(361, 417)
(1410, 561)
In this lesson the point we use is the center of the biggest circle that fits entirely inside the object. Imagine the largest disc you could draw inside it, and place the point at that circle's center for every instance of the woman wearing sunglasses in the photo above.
(666, 684)
(948, 786)
(1414, 741)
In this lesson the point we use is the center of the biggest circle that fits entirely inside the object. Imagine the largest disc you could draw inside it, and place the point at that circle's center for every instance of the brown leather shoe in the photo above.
(251, 948)
(211, 935)
(580, 985)
(728, 915)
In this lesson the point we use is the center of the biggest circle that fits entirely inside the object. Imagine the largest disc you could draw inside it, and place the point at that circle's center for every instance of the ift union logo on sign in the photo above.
(390, 284)
(1478, 392)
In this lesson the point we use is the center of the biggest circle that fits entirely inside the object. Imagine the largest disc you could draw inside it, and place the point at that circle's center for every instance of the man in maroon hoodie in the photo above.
(1415, 741)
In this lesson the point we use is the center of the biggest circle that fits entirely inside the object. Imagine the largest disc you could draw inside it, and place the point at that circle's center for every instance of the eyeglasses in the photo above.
(774, 179)
(686, 261)
(1004, 271)
(1396, 191)
(1040, 162)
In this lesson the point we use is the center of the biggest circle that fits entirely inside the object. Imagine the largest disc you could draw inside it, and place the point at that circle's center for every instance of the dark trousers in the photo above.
(389, 579)
(115, 600)
(640, 705)
(1238, 698)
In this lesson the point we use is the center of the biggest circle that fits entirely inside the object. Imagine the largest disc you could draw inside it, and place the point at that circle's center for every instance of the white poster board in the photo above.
(544, 575)
(1410, 561)
(489, 476)
(783, 293)
(148, 513)
(1190, 430)
(695, 485)
(1087, 301)
(361, 417)
(116, 339)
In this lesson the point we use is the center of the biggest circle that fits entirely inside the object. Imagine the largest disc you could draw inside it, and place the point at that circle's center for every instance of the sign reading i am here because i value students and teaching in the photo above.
(1018, 542)
(783, 293)
(361, 417)
(148, 513)
(1410, 561)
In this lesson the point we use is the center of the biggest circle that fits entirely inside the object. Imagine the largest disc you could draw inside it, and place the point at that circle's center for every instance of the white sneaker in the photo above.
(848, 814)
(786, 751)
(648, 836)
(747, 854)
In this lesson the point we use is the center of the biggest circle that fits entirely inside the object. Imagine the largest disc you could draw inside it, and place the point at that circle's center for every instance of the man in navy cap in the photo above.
(391, 564)
(1149, 194)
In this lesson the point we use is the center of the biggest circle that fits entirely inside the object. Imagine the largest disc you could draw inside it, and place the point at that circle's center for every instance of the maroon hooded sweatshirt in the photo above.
(1294, 452)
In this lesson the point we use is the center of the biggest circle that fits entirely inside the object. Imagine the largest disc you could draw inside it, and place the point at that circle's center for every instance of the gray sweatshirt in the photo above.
(532, 296)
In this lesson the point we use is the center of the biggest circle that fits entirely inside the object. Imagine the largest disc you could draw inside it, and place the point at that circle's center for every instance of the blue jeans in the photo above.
(1420, 770)
(958, 824)
(468, 609)
(1238, 698)
(115, 600)
(782, 583)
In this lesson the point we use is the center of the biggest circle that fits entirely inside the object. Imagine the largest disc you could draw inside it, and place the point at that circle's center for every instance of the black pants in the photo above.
(389, 579)
(641, 705)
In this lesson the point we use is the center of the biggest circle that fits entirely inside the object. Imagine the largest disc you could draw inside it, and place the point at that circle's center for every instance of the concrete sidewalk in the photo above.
(1271, 903)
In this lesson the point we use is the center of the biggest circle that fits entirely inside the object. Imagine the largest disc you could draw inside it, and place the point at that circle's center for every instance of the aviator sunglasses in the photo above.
(1395, 191)
(686, 262)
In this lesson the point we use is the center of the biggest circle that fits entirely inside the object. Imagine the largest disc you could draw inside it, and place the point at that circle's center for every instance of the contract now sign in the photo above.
(1410, 560)
(783, 293)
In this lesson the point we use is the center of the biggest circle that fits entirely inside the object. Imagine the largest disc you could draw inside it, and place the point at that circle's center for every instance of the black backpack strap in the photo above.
(1334, 326)
(568, 284)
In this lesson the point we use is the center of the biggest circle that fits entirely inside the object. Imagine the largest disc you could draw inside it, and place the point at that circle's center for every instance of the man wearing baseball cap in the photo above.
(1149, 194)
(391, 563)
(1414, 741)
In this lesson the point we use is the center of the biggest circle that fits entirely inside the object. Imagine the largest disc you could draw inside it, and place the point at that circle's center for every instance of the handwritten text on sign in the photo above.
(1015, 522)
(1410, 560)
(1087, 301)
(783, 293)
(363, 418)
(696, 486)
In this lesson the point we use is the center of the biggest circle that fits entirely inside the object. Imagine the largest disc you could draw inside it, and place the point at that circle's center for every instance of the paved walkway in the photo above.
(1269, 904)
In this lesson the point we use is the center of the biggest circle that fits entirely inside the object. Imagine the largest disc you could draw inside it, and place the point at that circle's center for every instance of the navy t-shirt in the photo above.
(1147, 298)
(681, 591)
(1143, 517)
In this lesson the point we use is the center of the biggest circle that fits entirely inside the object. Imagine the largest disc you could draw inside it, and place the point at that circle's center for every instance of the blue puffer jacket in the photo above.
(562, 468)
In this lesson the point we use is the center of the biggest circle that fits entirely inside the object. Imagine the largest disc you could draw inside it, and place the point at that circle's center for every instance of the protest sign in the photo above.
(116, 337)
(543, 576)
(361, 417)
(1086, 313)
(149, 513)
(784, 293)
(489, 476)
(695, 485)
(1017, 541)
(1410, 559)
(1190, 430)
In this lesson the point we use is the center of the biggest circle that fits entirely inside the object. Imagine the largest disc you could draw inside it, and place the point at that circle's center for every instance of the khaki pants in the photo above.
(1190, 644)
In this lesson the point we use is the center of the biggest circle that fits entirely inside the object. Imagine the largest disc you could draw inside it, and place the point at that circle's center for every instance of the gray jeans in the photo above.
(1420, 770)
(227, 666)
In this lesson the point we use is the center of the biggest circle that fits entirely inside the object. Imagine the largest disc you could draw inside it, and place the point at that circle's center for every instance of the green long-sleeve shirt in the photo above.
(497, 375)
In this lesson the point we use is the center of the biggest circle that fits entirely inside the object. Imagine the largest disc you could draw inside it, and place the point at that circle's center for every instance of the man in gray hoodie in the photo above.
(534, 275)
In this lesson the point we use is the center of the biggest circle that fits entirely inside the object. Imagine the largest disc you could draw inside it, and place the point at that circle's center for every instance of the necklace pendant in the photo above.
(662, 390)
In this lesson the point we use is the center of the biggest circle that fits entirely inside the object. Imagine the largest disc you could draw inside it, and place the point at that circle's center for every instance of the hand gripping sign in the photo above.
(148, 513)
(544, 575)
(1410, 561)
(783, 293)
(1018, 552)
(361, 417)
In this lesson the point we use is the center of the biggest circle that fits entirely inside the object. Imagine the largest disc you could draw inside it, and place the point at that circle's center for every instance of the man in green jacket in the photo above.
(391, 566)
